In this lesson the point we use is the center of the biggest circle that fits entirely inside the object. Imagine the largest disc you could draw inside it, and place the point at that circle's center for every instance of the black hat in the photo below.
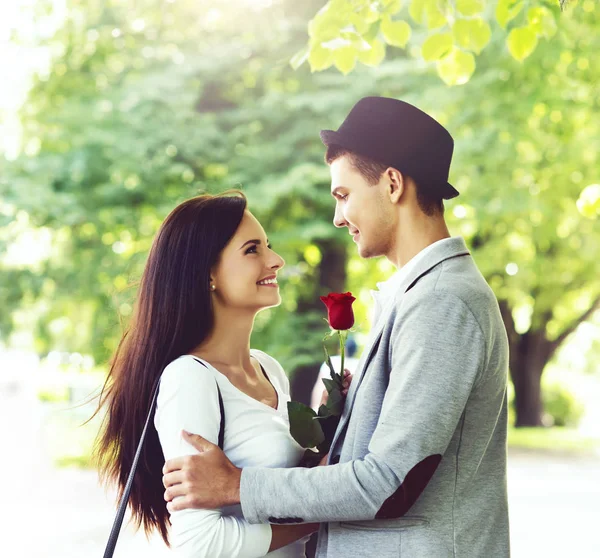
(400, 135)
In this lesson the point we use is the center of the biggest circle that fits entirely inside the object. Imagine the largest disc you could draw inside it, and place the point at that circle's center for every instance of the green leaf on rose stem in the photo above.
(335, 402)
(329, 363)
(324, 412)
(303, 427)
(329, 384)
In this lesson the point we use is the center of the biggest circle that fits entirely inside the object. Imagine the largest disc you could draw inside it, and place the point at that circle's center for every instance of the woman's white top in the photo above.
(256, 435)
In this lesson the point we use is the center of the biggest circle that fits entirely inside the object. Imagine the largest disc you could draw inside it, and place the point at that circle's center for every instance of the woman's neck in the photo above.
(229, 341)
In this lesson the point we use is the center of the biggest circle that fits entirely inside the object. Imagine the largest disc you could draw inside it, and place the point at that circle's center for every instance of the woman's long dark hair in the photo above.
(172, 316)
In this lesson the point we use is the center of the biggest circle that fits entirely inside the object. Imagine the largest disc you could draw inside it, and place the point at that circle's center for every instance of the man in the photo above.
(417, 467)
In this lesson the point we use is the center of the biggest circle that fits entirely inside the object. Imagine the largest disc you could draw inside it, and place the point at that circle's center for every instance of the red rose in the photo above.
(339, 310)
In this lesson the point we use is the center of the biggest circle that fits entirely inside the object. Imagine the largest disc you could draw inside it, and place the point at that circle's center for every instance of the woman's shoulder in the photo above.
(186, 370)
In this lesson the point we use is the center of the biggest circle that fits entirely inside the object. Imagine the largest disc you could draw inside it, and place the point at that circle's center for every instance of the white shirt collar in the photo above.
(387, 289)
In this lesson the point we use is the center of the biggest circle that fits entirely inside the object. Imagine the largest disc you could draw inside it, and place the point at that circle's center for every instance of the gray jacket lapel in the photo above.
(453, 248)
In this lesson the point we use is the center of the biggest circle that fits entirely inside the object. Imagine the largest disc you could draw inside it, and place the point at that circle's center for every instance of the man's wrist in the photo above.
(234, 486)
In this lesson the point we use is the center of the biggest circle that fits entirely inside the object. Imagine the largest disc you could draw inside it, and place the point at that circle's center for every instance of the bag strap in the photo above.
(221, 408)
(116, 528)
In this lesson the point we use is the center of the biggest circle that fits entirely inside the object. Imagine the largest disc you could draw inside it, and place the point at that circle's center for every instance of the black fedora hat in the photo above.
(400, 135)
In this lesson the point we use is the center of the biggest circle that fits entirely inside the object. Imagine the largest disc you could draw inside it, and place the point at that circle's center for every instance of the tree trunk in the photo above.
(529, 354)
(331, 277)
(526, 373)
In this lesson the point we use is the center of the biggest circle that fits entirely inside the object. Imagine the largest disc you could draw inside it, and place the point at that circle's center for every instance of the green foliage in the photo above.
(449, 33)
(304, 427)
(561, 404)
(125, 125)
(555, 439)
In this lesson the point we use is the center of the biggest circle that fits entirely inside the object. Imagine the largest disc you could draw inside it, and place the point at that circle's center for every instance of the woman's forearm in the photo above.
(287, 534)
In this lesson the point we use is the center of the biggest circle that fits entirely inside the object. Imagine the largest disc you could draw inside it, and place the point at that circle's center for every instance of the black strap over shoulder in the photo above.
(221, 408)
(116, 528)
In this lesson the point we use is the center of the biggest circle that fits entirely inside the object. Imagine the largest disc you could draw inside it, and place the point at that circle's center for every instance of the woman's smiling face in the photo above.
(245, 276)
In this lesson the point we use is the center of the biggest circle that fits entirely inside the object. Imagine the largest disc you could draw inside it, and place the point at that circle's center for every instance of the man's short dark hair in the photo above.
(372, 170)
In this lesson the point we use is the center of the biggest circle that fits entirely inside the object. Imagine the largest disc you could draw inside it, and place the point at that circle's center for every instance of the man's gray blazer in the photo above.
(418, 463)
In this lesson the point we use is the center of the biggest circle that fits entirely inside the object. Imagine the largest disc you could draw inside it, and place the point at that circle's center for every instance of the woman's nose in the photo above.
(278, 262)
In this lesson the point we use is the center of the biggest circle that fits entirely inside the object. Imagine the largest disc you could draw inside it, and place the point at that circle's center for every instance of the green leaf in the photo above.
(472, 34)
(392, 6)
(320, 58)
(299, 58)
(360, 24)
(396, 33)
(324, 26)
(521, 42)
(324, 412)
(303, 427)
(369, 14)
(332, 372)
(457, 67)
(375, 55)
(335, 402)
(417, 10)
(329, 384)
(436, 46)
(344, 59)
(372, 33)
(435, 17)
(541, 20)
(507, 10)
(588, 203)
(469, 7)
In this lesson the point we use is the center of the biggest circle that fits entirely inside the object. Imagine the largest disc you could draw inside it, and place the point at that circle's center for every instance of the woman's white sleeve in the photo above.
(188, 400)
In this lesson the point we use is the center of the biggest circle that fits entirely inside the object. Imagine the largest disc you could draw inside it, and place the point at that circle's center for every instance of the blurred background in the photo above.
(114, 111)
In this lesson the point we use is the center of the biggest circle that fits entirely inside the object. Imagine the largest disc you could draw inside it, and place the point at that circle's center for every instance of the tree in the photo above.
(134, 115)
(526, 144)
(346, 32)
(145, 105)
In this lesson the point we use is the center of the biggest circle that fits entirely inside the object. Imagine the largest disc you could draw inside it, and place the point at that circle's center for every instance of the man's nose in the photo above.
(338, 218)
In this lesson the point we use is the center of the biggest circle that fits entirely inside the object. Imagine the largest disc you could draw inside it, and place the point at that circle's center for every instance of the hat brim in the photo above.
(331, 137)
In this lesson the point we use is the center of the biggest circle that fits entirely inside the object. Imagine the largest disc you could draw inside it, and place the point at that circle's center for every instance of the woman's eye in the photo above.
(343, 196)
(251, 249)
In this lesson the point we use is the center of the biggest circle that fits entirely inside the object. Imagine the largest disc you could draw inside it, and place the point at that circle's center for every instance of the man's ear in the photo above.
(396, 184)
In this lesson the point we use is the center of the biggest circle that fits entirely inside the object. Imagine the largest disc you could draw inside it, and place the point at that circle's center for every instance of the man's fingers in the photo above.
(197, 441)
(175, 491)
(174, 464)
(179, 504)
(170, 479)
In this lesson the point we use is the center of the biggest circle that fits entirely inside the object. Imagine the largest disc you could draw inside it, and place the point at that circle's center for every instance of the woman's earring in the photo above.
(212, 287)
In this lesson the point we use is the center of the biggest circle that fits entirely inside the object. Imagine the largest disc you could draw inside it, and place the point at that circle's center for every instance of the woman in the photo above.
(209, 272)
